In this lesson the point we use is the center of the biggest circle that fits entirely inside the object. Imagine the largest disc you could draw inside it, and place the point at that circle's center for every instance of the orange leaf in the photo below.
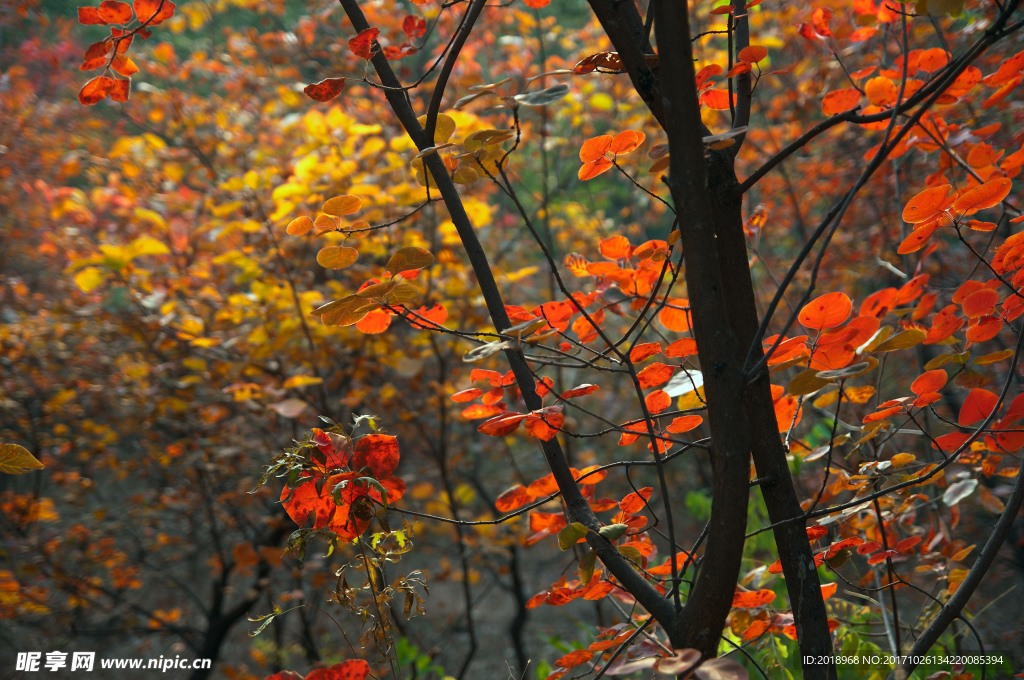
(595, 148)
(616, 247)
(980, 303)
(716, 99)
(655, 374)
(636, 501)
(299, 226)
(927, 205)
(120, 90)
(544, 426)
(881, 91)
(95, 55)
(826, 311)
(675, 316)
(580, 391)
(657, 402)
(684, 424)
(684, 347)
(626, 141)
(644, 351)
(918, 238)
(90, 16)
(987, 195)
(756, 629)
(478, 411)
(977, 406)
(593, 169)
(820, 19)
(753, 598)
(929, 381)
(115, 12)
(438, 314)
(839, 101)
(376, 321)
(362, 44)
(828, 590)
(576, 658)
(513, 499)
(932, 59)
(752, 54)
(501, 425)
(153, 12)
(95, 90)
(326, 90)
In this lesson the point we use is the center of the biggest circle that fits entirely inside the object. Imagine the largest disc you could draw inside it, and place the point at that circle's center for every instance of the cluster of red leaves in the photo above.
(125, 21)
(363, 46)
(353, 669)
(330, 490)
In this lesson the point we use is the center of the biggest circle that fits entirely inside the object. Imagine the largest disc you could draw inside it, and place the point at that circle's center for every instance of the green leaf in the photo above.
(632, 553)
(570, 534)
(586, 567)
(806, 382)
(613, 531)
(543, 97)
(16, 460)
(905, 340)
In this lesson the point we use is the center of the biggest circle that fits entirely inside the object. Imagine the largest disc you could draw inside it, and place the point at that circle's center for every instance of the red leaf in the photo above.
(353, 669)
(326, 90)
(907, 544)
(882, 556)
(414, 26)
(305, 501)
(580, 391)
(839, 101)
(977, 406)
(95, 55)
(362, 44)
(90, 16)
(820, 19)
(377, 451)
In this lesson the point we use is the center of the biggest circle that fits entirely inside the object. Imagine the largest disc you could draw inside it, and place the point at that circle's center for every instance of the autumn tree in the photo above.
(873, 149)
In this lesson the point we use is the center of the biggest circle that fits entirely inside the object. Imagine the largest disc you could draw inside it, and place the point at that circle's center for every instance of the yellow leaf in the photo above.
(146, 245)
(301, 381)
(89, 278)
